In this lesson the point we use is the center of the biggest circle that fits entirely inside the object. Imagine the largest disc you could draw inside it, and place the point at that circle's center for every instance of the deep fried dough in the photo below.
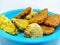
(23, 13)
(47, 30)
(40, 16)
(52, 21)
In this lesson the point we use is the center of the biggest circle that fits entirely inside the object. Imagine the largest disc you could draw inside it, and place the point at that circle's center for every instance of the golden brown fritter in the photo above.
(52, 21)
(58, 15)
(59, 18)
(47, 30)
(40, 16)
(23, 13)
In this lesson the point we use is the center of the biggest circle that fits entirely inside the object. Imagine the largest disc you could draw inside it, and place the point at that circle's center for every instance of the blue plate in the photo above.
(20, 36)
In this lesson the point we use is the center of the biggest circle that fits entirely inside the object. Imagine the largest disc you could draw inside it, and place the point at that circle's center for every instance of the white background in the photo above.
(52, 5)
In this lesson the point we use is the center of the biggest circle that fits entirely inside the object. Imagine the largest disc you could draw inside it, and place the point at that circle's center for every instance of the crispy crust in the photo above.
(59, 18)
(40, 16)
(24, 13)
(52, 21)
(47, 30)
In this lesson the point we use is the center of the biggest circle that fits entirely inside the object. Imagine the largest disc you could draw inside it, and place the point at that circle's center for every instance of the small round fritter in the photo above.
(47, 30)
(23, 13)
(33, 31)
(20, 23)
(39, 17)
(52, 21)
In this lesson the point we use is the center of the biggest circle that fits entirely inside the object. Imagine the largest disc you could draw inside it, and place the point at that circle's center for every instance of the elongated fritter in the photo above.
(47, 30)
(52, 21)
(40, 16)
(21, 23)
(23, 13)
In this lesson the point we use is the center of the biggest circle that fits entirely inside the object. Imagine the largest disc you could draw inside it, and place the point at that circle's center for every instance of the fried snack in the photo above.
(23, 13)
(3, 19)
(52, 21)
(33, 31)
(9, 27)
(59, 18)
(47, 30)
(21, 23)
(30, 15)
(40, 16)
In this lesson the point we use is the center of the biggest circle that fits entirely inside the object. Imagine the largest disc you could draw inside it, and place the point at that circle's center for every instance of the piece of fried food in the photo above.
(39, 17)
(47, 30)
(59, 18)
(23, 13)
(20, 23)
(3, 19)
(30, 15)
(52, 21)
(33, 31)
(9, 27)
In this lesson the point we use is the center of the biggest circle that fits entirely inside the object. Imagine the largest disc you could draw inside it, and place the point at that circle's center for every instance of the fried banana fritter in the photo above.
(21, 23)
(52, 21)
(47, 30)
(33, 31)
(9, 27)
(40, 16)
(23, 13)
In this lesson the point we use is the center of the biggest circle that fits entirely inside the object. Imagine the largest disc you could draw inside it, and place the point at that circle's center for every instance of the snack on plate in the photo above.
(33, 24)
(33, 31)
(39, 17)
(3, 19)
(20, 23)
(23, 13)
(9, 27)
(47, 29)
(52, 21)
